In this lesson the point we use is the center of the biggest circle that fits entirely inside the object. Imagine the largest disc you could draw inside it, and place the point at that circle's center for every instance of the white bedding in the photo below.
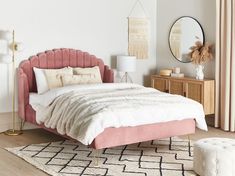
(84, 111)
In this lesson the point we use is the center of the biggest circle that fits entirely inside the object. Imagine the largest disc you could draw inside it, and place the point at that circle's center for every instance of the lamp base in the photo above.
(126, 78)
(12, 132)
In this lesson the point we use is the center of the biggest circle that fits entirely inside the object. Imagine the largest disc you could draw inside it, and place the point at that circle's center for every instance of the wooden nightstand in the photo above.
(199, 90)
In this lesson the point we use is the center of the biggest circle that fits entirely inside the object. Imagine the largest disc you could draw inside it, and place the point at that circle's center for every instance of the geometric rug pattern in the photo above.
(69, 158)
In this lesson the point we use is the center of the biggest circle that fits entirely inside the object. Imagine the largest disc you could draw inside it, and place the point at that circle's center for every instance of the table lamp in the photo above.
(126, 64)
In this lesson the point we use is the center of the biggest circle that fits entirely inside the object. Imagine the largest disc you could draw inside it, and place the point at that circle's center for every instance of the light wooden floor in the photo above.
(11, 165)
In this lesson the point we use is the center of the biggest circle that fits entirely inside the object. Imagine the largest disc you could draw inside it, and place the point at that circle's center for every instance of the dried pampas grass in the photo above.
(201, 53)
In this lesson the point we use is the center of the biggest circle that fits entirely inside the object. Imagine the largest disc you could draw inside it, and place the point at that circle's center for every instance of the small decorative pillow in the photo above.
(41, 80)
(92, 72)
(54, 76)
(79, 79)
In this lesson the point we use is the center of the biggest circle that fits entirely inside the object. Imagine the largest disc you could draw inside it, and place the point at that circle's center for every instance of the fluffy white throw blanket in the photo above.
(83, 112)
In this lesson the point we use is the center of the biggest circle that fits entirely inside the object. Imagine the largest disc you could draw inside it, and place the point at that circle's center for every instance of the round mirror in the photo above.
(184, 33)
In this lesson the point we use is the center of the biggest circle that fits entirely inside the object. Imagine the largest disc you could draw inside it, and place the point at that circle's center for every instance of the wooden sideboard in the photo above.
(199, 90)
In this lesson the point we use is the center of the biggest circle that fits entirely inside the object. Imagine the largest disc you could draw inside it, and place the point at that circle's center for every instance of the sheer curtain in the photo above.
(225, 65)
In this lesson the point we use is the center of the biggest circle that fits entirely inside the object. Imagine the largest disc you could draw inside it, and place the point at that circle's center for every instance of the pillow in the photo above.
(53, 76)
(41, 80)
(79, 79)
(92, 72)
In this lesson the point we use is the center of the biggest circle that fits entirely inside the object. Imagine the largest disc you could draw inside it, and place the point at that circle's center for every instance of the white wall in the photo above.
(170, 10)
(97, 26)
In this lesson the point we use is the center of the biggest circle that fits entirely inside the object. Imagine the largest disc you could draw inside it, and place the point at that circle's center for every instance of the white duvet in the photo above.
(84, 111)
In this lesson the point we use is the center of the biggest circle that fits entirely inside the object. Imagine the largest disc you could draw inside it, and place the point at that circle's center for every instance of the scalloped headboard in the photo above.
(56, 58)
(59, 58)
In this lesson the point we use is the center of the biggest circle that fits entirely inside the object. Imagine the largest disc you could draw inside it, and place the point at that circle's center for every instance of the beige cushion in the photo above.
(54, 76)
(92, 72)
(78, 79)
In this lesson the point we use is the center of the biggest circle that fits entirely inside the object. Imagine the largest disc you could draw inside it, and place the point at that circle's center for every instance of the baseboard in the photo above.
(6, 122)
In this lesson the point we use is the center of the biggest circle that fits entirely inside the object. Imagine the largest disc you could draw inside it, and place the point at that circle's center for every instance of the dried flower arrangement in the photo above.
(201, 53)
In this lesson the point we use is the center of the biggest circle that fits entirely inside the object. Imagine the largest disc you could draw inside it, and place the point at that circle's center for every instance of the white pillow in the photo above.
(41, 80)
(79, 79)
(49, 78)
(53, 76)
(92, 72)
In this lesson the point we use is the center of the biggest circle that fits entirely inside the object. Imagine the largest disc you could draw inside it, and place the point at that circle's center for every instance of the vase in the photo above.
(199, 72)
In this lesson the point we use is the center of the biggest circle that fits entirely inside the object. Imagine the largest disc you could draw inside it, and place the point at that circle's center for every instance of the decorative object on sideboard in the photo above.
(176, 70)
(200, 54)
(126, 64)
(183, 34)
(7, 56)
(165, 72)
(138, 33)
(176, 73)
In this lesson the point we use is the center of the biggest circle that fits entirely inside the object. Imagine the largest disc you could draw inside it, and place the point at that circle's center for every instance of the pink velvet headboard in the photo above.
(56, 58)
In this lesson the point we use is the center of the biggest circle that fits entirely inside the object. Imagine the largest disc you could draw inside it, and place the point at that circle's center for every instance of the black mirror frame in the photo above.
(170, 33)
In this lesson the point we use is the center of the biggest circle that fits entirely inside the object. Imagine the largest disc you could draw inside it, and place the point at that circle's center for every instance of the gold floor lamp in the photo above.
(7, 56)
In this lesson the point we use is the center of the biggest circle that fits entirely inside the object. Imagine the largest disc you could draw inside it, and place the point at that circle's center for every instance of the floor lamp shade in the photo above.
(5, 35)
(126, 63)
(5, 59)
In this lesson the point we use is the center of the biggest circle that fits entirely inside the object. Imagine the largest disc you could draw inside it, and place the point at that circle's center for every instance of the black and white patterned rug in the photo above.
(67, 158)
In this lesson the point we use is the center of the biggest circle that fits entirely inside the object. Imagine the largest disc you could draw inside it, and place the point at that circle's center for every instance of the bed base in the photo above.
(96, 157)
(159, 130)
(112, 137)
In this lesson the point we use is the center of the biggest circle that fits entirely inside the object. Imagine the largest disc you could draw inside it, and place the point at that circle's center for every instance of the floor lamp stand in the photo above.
(13, 131)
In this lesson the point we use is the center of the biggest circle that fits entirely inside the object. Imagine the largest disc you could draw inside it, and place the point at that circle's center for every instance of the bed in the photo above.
(110, 137)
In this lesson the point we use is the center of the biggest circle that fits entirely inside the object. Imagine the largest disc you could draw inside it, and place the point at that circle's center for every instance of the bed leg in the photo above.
(189, 146)
(170, 143)
(22, 123)
(96, 157)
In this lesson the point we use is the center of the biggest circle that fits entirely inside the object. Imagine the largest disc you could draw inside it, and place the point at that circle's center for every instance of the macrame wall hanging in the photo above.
(138, 34)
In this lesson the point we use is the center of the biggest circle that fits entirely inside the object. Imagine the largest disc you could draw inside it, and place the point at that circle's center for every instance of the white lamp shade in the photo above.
(126, 63)
(5, 35)
(5, 59)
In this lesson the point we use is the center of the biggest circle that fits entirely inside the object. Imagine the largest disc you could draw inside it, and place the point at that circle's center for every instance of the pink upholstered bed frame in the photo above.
(59, 58)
